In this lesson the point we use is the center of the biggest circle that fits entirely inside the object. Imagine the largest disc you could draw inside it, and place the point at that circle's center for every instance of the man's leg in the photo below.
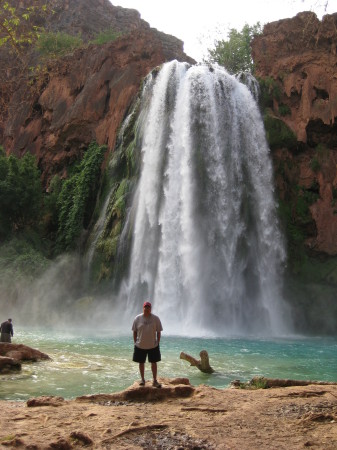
(142, 371)
(154, 371)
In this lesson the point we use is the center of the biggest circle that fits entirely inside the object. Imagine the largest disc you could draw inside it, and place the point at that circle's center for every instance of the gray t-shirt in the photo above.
(147, 328)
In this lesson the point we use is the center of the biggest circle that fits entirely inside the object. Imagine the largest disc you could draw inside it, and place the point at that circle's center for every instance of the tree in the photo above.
(20, 193)
(235, 53)
(18, 25)
(19, 29)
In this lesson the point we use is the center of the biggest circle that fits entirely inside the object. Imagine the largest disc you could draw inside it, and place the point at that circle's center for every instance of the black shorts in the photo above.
(139, 355)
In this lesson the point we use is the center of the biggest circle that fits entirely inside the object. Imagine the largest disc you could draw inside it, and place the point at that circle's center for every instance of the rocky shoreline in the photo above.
(178, 416)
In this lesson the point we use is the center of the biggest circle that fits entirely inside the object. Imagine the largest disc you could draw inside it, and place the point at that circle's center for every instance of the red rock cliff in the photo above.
(299, 56)
(84, 96)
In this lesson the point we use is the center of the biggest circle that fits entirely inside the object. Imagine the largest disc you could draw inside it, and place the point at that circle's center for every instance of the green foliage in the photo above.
(77, 198)
(50, 210)
(255, 383)
(258, 383)
(54, 45)
(315, 165)
(123, 170)
(269, 90)
(235, 53)
(294, 234)
(107, 245)
(305, 199)
(322, 154)
(279, 135)
(9, 437)
(20, 193)
(22, 260)
(105, 36)
(18, 26)
(297, 219)
(284, 110)
(22, 257)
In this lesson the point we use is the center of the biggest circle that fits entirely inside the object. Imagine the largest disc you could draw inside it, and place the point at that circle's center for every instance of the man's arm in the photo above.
(134, 336)
(158, 336)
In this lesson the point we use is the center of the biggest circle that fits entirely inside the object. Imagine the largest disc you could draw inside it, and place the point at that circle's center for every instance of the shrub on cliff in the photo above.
(54, 45)
(279, 135)
(105, 36)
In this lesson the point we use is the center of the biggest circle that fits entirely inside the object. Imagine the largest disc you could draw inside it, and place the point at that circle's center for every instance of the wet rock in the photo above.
(8, 365)
(20, 352)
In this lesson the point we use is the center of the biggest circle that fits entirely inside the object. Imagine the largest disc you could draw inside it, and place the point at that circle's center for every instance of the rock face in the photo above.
(297, 57)
(84, 96)
(300, 53)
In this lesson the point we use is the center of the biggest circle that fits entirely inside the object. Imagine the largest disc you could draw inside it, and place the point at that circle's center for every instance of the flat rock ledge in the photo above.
(294, 417)
(11, 356)
(171, 388)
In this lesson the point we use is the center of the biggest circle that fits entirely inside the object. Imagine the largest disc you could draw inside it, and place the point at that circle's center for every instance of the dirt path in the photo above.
(185, 418)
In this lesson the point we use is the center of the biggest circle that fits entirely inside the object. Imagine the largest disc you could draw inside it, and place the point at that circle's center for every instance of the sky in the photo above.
(199, 22)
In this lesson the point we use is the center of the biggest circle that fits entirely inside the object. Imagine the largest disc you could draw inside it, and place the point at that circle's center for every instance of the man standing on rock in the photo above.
(146, 335)
(6, 329)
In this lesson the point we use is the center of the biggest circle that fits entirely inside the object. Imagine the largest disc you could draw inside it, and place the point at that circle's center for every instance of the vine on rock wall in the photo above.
(77, 198)
(111, 255)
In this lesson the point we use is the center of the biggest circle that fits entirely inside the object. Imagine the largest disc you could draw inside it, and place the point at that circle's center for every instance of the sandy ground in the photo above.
(177, 417)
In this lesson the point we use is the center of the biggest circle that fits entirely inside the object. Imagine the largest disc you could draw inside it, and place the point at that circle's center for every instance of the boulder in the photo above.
(20, 352)
(171, 388)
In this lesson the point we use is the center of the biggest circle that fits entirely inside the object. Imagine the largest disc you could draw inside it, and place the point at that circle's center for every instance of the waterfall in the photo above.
(206, 247)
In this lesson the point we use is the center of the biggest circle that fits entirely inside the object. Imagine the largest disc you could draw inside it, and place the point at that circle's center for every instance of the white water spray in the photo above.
(206, 248)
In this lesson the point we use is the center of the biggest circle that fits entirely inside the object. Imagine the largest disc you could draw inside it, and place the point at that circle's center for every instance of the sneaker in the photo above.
(142, 383)
(156, 384)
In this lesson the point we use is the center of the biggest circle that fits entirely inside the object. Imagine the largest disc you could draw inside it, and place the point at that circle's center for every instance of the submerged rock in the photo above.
(9, 364)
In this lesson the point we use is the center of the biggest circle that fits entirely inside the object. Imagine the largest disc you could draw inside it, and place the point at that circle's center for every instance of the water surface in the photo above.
(102, 364)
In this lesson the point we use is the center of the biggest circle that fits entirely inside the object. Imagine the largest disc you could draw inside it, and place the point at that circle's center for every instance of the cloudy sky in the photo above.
(199, 22)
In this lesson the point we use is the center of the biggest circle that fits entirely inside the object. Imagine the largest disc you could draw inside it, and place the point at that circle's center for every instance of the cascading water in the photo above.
(206, 249)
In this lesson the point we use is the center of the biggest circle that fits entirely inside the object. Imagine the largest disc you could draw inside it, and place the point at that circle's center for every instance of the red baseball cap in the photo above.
(146, 304)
